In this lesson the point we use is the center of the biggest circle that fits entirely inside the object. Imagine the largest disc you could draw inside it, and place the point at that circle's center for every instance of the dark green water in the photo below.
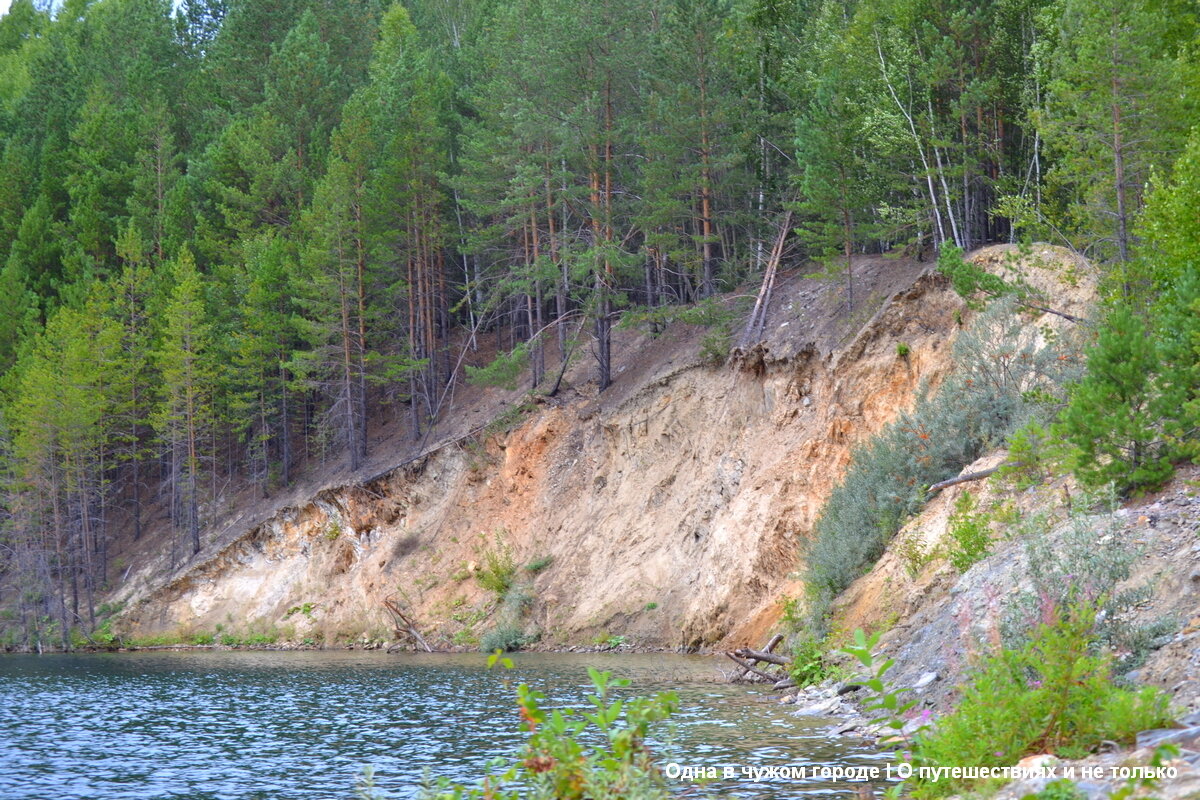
(284, 725)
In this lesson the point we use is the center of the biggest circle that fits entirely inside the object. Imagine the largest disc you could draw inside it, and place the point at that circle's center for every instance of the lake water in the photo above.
(303, 725)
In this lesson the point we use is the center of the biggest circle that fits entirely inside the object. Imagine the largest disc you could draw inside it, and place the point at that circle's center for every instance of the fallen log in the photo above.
(970, 476)
(766, 658)
(771, 645)
(749, 668)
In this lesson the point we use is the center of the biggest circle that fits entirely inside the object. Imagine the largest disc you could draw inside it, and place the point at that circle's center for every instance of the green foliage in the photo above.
(1062, 789)
(884, 698)
(304, 608)
(1081, 565)
(810, 664)
(1077, 705)
(1033, 454)
(599, 752)
(717, 316)
(969, 280)
(608, 641)
(903, 350)
(969, 533)
(1113, 421)
(498, 569)
(504, 637)
(503, 371)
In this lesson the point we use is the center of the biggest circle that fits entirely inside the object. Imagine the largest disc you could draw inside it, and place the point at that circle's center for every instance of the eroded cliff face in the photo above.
(671, 508)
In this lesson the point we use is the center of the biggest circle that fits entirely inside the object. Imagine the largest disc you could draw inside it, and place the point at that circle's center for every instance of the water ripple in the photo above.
(284, 726)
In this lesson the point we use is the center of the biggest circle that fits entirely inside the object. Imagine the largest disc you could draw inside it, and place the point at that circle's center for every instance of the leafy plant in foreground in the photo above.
(601, 753)
(1054, 695)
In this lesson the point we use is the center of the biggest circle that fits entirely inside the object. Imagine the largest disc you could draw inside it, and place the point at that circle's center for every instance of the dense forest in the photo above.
(232, 233)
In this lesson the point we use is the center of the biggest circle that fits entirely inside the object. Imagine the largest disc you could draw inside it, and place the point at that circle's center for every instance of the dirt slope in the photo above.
(672, 506)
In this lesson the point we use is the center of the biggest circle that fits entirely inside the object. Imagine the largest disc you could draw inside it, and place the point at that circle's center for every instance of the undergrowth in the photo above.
(1083, 561)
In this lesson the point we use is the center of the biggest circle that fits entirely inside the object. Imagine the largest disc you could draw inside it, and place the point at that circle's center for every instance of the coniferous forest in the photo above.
(232, 232)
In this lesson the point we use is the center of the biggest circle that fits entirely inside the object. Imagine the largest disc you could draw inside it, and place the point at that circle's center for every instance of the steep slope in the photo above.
(670, 509)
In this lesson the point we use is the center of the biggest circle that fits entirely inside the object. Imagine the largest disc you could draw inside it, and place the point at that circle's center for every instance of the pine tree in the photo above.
(185, 415)
(1113, 110)
(1113, 418)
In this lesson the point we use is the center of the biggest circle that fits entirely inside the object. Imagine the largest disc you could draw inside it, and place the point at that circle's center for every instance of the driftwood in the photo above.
(404, 625)
(748, 668)
(766, 658)
(746, 657)
(970, 476)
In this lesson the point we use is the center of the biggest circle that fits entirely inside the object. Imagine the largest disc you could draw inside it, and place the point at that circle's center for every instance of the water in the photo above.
(302, 725)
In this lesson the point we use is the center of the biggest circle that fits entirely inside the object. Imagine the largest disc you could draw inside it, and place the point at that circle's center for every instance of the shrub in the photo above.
(503, 637)
(970, 533)
(1059, 677)
(1002, 379)
(539, 564)
(1082, 564)
(1032, 453)
(809, 663)
(498, 570)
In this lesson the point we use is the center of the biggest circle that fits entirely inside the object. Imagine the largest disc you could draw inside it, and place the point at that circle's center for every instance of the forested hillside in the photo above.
(234, 233)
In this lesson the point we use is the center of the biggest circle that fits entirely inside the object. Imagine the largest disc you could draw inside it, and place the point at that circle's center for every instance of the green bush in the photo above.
(539, 564)
(503, 637)
(1054, 695)
(498, 570)
(810, 665)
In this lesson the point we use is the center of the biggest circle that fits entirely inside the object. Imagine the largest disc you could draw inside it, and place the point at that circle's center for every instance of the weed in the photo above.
(903, 350)
(304, 608)
(464, 638)
(913, 554)
(608, 641)
(651, 606)
(333, 530)
(1061, 789)
(1081, 564)
(810, 664)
